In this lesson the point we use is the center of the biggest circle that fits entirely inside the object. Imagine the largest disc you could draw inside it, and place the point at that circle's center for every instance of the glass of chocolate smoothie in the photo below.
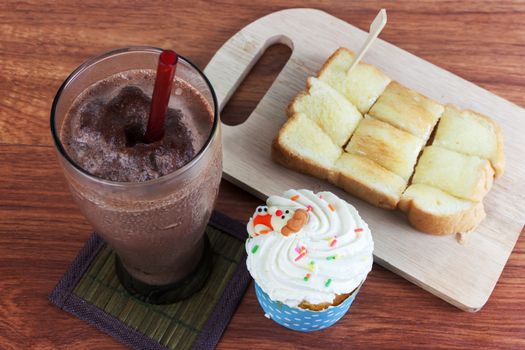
(150, 202)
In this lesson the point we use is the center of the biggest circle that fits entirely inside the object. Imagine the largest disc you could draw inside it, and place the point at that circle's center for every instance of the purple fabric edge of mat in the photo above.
(110, 325)
(75, 271)
(210, 335)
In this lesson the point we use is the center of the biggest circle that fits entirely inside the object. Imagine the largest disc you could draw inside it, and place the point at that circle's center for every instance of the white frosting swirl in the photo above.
(327, 268)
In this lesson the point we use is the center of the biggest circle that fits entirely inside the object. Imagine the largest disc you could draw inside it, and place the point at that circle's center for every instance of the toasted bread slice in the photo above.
(367, 180)
(433, 211)
(328, 108)
(364, 84)
(394, 149)
(471, 133)
(462, 176)
(302, 145)
(407, 110)
(451, 176)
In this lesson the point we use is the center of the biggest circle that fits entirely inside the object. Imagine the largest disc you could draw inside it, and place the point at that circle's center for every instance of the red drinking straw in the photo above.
(161, 95)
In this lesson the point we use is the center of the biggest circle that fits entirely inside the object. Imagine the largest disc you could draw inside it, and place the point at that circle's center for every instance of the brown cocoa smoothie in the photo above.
(103, 134)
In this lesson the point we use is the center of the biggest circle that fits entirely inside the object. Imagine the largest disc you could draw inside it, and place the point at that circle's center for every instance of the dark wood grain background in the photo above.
(41, 230)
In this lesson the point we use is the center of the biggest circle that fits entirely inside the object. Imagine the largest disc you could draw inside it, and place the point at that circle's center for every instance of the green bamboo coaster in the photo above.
(91, 291)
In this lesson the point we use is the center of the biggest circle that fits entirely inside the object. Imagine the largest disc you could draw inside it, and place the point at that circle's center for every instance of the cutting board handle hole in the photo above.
(255, 84)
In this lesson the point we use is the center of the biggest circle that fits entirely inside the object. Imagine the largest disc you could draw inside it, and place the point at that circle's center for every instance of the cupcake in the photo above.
(309, 255)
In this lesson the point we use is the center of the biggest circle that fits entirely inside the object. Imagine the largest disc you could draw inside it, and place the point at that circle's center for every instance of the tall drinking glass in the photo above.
(156, 227)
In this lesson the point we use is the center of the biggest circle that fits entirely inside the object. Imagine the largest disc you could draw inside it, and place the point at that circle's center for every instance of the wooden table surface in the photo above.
(41, 229)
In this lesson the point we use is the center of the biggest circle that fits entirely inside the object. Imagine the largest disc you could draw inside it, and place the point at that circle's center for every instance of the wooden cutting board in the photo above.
(463, 275)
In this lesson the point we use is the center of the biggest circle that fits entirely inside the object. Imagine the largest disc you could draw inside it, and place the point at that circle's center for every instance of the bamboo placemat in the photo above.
(91, 291)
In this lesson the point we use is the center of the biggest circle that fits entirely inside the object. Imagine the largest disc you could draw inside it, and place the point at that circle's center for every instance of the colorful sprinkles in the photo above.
(307, 277)
(331, 207)
(301, 251)
(332, 257)
(295, 198)
(254, 249)
(327, 283)
(332, 241)
(358, 230)
(309, 208)
(311, 266)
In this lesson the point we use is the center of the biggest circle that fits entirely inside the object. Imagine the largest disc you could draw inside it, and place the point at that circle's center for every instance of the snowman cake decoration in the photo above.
(284, 221)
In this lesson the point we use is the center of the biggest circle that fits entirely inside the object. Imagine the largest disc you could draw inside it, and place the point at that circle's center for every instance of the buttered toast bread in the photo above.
(433, 162)
(332, 112)
(366, 179)
(463, 176)
(393, 149)
(407, 110)
(302, 145)
(361, 87)
(434, 211)
(473, 134)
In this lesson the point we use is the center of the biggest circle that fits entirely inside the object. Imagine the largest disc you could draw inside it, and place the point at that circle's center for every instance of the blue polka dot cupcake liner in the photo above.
(302, 320)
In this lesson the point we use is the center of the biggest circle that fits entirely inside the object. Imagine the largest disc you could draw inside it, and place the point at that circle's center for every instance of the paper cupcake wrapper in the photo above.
(299, 319)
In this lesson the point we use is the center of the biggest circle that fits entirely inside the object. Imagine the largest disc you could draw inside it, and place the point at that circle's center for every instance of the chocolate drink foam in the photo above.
(104, 129)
